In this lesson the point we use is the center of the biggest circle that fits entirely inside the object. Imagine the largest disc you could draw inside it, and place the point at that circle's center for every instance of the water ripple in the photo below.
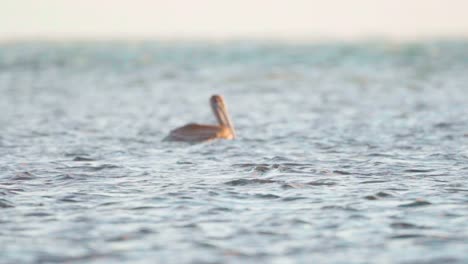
(346, 153)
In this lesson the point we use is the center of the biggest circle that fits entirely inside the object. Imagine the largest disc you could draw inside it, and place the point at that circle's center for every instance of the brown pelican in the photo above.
(197, 133)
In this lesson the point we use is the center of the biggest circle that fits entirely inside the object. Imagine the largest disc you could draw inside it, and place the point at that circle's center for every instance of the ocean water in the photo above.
(347, 153)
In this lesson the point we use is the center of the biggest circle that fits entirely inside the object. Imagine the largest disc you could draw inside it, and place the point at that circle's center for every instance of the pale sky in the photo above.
(221, 19)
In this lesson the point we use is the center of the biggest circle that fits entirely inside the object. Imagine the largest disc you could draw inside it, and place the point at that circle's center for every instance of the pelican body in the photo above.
(198, 133)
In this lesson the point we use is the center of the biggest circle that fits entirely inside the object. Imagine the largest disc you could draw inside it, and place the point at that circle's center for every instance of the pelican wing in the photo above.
(196, 133)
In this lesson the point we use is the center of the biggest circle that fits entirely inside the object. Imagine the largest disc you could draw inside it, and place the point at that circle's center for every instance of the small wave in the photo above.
(242, 182)
(267, 196)
(406, 236)
(418, 170)
(292, 185)
(416, 204)
(379, 155)
(283, 167)
(443, 125)
(290, 199)
(4, 203)
(94, 168)
(378, 196)
(338, 207)
(79, 158)
(38, 214)
(341, 172)
(69, 199)
(142, 208)
(64, 177)
(22, 176)
(373, 181)
(404, 225)
(321, 183)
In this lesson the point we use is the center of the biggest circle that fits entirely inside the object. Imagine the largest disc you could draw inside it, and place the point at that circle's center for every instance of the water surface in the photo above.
(347, 153)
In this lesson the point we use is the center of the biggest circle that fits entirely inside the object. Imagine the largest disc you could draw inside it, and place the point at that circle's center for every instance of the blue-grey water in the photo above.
(347, 153)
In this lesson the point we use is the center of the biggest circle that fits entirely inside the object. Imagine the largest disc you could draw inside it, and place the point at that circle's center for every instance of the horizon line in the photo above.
(214, 39)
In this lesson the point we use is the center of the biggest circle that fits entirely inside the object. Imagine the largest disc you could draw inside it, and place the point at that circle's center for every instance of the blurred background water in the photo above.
(347, 153)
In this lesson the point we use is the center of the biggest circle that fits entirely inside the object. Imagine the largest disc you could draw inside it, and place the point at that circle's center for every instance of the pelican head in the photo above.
(220, 111)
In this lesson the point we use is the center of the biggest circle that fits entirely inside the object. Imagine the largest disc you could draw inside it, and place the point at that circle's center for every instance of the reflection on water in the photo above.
(346, 153)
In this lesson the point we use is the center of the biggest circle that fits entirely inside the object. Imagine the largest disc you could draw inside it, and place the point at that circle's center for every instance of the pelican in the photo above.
(198, 133)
